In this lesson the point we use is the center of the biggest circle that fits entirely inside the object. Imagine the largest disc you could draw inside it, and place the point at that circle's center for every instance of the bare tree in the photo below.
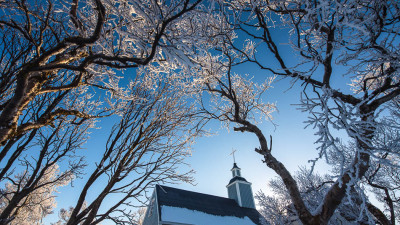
(333, 40)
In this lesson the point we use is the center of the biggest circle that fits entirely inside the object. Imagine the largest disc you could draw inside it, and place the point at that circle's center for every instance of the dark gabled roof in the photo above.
(235, 166)
(209, 204)
(237, 178)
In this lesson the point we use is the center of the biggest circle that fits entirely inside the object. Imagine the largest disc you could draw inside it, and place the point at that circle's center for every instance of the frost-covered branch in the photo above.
(55, 47)
(146, 147)
(352, 42)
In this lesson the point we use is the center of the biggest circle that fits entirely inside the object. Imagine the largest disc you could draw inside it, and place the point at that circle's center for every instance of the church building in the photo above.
(172, 206)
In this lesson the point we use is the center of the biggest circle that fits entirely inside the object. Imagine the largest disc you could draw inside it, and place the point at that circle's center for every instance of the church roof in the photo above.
(235, 166)
(237, 178)
(209, 204)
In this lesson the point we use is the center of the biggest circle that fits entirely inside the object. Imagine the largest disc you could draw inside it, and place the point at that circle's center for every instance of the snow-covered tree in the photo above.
(64, 215)
(59, 65)
(145, 147)
(39, 203)
(324, 45)
(138, 216)
(59, 46)
(35, 159)
(385, 184)
(278, 208)
(59, 59)
(381, 181)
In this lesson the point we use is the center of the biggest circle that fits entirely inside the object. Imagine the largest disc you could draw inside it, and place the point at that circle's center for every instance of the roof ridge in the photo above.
(164, 186)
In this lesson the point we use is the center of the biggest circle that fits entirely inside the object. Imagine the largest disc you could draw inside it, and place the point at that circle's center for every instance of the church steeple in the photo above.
(239, 189)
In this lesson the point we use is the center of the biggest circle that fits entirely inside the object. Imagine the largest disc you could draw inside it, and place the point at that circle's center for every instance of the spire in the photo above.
(235, 169)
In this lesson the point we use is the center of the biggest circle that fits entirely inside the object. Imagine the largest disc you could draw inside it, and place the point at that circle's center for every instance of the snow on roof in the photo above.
(214, 206)
(185, 216)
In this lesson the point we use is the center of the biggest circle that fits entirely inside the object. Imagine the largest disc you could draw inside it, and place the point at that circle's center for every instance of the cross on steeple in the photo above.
(233, 154)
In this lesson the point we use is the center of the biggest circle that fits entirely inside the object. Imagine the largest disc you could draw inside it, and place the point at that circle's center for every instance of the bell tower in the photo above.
(239, 189)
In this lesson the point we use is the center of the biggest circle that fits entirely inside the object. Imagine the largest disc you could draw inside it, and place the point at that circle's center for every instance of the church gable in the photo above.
(152, 215)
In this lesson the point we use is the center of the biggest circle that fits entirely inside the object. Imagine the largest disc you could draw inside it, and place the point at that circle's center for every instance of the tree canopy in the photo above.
(169, 67)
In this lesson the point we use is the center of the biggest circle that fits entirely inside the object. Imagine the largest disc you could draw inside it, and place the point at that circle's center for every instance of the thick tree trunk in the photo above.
(10, 114)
